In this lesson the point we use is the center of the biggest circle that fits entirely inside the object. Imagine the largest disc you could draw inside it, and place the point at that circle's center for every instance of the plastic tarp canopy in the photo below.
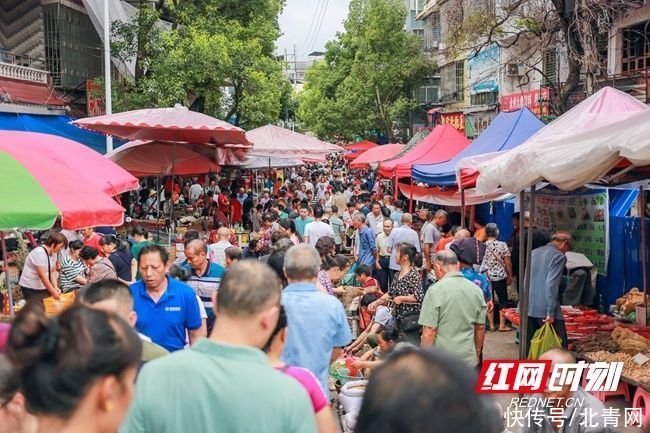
(376, 154)
(449, 196)
(577, 148)
(262, 162)
(54, 125)
(442, 144)
(507, 131)
(271, 140)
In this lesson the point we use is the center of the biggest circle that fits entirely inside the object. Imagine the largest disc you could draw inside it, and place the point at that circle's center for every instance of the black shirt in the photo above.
(121, 260)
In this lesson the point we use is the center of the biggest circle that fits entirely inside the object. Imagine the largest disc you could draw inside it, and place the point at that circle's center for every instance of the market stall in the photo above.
(353, 150)
(274, 141)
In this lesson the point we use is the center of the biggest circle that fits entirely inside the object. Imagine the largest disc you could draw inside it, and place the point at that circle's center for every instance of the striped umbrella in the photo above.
(45, 177)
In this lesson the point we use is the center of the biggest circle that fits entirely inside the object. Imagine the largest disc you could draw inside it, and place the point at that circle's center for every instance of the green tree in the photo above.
(367, 78)
(216, 57)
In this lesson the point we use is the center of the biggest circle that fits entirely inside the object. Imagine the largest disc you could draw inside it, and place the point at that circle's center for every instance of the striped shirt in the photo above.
(207, 284)
(71, 269)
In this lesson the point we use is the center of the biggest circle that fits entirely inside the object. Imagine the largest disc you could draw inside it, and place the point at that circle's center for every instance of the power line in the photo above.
(319, 25)
(311, 26)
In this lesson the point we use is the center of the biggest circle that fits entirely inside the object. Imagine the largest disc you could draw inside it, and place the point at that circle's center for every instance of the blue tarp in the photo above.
(507, 131)
(55, 125)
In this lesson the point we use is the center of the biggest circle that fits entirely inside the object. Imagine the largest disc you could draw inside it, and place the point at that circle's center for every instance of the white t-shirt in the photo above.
(316, 230)
(309, 186)
(195, 191)
(321, 187)
(29, 278)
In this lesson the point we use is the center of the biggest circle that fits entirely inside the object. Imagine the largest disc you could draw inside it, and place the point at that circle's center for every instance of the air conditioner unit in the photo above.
(514, 70)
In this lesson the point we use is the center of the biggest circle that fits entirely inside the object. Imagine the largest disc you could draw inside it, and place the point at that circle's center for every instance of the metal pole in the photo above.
(5, 259)
(463, 210)
(396, 187)
(411, 198)
(526, 289)
(644, 252)
(523, 304)
(108, 102)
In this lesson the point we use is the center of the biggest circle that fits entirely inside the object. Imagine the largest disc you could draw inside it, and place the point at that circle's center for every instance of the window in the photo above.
(485, 98)
(636, 47)
(429, 91)
(460, 80)
(549, 67)
(452, 82)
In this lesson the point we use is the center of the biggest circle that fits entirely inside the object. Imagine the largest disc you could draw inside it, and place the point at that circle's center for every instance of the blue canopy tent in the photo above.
(508, 130)
(54, 125)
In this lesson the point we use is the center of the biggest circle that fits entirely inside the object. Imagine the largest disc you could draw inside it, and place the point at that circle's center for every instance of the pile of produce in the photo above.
(636, 372)
(598, 342)
(626, 304)
(630, 342)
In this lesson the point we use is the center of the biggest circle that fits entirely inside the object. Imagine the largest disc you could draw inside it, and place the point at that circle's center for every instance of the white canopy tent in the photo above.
(513, 170)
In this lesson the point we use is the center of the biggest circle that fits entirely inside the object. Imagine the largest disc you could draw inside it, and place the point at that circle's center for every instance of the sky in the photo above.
(300, 22)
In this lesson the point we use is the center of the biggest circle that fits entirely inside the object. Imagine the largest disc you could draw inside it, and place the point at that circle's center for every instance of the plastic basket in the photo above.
(54, 306)
(344, 376)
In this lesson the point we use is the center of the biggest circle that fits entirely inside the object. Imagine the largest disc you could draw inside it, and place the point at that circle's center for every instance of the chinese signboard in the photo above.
(484, 70)
(478, 122)
(457, 120)
(530, 99)
(94, 98)
(585, 216)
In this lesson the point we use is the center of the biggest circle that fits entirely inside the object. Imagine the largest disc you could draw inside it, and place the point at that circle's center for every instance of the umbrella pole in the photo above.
(396, 187)
(5, 258)
(523, 318)
(520, 277)
(644, 252)
(157, 208)
(411, 198)
(463, 209)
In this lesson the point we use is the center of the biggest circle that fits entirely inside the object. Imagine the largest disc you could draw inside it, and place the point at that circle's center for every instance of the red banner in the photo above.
(457, 120)
(94, 99)
(530, 99)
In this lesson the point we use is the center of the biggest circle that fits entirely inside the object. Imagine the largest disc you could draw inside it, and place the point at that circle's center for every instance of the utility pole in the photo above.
(295, 68)
(108, 103)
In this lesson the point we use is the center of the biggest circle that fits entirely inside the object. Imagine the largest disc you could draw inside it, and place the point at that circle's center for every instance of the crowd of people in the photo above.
(227, 337)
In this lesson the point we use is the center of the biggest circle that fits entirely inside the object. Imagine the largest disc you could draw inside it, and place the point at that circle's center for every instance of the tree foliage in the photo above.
(216, 56)
(367, 78)
(529, 28)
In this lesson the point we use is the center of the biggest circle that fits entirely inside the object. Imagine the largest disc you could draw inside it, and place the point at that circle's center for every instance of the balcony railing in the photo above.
(22, 68)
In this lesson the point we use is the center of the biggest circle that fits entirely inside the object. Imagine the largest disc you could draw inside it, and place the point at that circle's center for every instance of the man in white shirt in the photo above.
(195, 190)
(321, 187)
(349, 191)
(375, 219)
(317, 228)
(217, 251)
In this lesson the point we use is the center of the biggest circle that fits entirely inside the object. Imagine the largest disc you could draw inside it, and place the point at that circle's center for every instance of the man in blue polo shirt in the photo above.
(319, 325)
(205, 276)
(167, 309)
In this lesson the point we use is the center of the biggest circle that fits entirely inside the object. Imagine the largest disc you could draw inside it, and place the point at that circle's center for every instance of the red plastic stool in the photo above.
(623, 389)
(642, 401)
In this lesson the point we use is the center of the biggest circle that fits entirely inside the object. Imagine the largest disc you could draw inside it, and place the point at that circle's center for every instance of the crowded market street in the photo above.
(418, 217)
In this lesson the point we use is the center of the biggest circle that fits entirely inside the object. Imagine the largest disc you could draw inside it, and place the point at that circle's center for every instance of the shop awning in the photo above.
(54, 125)
(442, 144)
(262, 162)
(29, 92)
(576, 148)
(355, 149)
(507, 131)
(376, 154)
(448, 196)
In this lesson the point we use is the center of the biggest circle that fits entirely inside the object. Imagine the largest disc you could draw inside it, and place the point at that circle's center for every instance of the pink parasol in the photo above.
(376, 154)
(177, 124)
(273, 141)
(99, 172)
(44, 177)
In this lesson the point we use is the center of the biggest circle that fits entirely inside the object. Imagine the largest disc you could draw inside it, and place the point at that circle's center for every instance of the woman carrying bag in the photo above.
(38, 279)
(406, 294)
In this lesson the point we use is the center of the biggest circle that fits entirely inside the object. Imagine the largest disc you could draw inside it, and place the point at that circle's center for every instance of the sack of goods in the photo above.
(351, 395)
